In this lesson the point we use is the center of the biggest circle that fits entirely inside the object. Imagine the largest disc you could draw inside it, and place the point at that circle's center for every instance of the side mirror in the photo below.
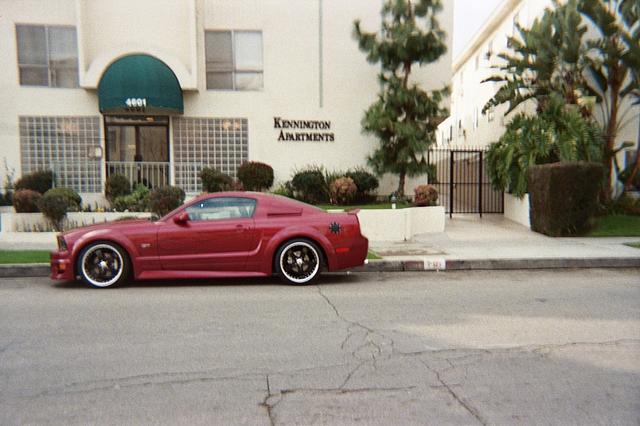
(181, 218)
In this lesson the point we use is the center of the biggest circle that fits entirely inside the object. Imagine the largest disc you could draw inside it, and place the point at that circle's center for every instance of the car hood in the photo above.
(113, 225)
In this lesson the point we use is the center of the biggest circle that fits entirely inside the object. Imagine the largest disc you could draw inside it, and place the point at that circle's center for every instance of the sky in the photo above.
(468, 17)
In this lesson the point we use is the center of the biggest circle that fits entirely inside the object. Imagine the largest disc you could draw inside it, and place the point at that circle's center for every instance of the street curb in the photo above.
(43, 269)
(25, 270)
(498, 264)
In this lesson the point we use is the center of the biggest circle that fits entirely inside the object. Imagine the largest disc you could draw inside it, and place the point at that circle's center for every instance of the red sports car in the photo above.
(225, 234)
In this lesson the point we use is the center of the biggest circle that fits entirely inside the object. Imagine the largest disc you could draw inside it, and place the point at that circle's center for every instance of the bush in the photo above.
(366, 183)
(40, 181)
(72, 198)
(285, 189)
(343, 191)
(425, 195)
(255, 176)
(309, 185)
(26, 201)
(116, 186)
(164, 199)
(214, 180)
(563, 197)
(6, 199)
(137, 201)
(54, 205)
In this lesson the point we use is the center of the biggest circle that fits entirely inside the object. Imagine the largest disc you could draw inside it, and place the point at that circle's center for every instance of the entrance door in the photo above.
(138, 148)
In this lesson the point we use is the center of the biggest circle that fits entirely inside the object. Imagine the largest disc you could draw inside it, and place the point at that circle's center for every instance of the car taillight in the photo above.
(62, 244)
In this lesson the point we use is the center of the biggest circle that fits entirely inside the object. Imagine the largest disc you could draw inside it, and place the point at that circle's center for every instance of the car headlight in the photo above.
(62, 244)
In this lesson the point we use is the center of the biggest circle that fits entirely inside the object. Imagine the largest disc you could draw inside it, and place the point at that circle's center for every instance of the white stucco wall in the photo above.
(173, 30)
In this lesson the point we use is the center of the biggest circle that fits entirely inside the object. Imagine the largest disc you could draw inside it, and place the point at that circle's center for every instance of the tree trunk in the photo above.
(610, 134)
(400, 191)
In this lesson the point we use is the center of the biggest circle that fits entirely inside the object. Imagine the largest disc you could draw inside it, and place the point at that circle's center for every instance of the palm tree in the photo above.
(613, 67)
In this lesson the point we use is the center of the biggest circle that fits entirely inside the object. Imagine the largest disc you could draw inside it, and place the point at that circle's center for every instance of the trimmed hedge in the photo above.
(343, 190)
(40, 181)
(164, 199)
(26, 201)
(255, 176)
(214, 180)
(425, 195)
(563, 197)
(117, 185)
(54, 205)
(309, 185)
(71, 197)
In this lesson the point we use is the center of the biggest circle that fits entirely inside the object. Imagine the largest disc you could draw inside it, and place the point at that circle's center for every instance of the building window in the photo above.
(221, 143)
(65, 146)
(234, 60)
(489, 50)
(47, 55)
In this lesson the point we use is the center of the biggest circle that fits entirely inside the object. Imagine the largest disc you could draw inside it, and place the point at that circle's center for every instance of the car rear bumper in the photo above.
(61, 265)
(351, 255)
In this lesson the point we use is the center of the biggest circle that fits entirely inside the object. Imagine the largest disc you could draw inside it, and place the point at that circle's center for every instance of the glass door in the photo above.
(138, 148)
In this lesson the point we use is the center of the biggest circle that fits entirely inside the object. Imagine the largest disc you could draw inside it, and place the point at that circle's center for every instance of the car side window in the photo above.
(222, 208)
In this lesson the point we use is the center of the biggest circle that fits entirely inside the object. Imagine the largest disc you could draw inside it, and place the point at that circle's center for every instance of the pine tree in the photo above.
(405, 117)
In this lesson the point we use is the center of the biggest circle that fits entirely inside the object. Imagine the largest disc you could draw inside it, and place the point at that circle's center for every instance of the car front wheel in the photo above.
(298, 262)
(103, 264)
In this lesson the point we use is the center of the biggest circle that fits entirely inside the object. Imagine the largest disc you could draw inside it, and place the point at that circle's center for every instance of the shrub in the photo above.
(563, 197)
(26, 201)
(40, 181)
(285, 189)
(116, 186)
(255, 176)
(6, 199)
(343, 191)
(559, 133)
(54, 205)
(137, 201)
(214, 180)
(72, 198)
(365, 181)
(425, 195)
(309, 185)
(164, 199)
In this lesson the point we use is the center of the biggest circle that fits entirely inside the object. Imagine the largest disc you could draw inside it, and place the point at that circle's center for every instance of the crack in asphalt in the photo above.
(267, 405)
(463, 403)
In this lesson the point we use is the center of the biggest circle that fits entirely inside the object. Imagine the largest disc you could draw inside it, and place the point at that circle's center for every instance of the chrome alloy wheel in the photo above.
(102, 265)
(299, 262)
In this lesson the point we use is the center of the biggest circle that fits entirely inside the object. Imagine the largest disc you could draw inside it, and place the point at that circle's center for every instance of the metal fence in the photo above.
(462, 181)
(150, 174)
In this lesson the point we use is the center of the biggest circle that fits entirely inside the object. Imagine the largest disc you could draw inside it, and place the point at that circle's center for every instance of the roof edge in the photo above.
(494, 21)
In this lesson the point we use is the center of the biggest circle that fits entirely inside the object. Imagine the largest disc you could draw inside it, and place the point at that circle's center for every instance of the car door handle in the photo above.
(239, 228)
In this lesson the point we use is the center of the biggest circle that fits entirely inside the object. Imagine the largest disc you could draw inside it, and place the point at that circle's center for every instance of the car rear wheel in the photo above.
(298, 262)
(103, 264)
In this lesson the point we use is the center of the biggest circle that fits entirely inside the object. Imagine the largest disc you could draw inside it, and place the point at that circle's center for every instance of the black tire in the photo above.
(298, 262)
(103, 264)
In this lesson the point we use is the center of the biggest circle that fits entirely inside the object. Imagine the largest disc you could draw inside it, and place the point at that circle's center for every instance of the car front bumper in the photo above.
(61, 265)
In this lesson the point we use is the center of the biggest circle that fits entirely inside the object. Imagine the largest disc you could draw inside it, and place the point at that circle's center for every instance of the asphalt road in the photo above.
(520, 347)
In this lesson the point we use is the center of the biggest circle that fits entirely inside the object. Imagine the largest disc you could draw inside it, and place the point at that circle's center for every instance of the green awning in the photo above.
(140, 83)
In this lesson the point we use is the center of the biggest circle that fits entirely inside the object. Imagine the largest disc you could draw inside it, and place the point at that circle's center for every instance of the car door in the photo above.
(218, 236)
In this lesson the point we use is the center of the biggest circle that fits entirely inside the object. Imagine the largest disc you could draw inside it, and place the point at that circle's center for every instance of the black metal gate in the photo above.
(462, 182)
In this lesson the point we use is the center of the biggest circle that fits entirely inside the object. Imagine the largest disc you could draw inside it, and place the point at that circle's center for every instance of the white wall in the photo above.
(173, 30)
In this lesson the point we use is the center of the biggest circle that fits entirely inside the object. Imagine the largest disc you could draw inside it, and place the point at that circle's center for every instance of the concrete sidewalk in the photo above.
(469, 242)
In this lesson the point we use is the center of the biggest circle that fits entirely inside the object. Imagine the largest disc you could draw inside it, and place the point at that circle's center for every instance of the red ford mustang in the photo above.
(226, 234)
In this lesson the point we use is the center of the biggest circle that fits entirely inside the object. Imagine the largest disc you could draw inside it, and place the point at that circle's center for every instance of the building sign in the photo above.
(303, 130)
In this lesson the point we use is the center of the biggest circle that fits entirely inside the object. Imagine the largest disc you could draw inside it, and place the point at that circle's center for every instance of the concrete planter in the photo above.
(401, 224)
(36, 222)
(517, 209)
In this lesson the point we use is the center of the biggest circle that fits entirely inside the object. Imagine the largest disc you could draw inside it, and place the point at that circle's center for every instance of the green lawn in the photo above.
(618, 225)
(24, 256)
(363, 206)
(373, 256)
(634, 245)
